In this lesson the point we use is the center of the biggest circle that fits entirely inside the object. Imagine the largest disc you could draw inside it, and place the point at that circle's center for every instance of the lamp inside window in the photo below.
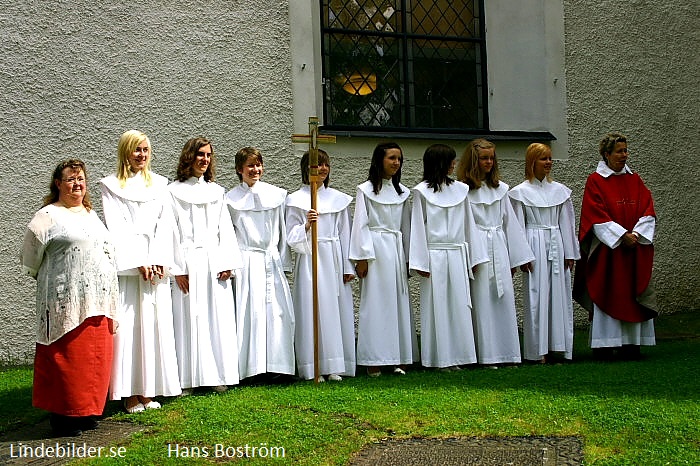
(358, 82)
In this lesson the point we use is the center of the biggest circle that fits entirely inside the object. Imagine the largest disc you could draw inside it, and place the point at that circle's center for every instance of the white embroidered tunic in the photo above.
(71, 256)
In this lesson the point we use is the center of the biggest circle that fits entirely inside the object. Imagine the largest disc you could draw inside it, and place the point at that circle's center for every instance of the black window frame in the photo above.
(418, 132)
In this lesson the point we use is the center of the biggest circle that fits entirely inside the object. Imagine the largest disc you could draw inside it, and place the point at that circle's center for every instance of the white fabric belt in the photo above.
(270, 256)
(464, 247)
(398, 239)
(336, 260)
(495, 265)
(554, 252)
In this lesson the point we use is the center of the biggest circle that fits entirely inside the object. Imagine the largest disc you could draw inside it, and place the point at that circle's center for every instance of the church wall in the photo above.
(76, 74)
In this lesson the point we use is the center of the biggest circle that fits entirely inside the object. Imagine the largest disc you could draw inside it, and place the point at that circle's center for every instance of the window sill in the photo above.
(384, 133)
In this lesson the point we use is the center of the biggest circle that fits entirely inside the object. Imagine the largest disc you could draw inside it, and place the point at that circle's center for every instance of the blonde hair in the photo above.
(532, 154)
(128, 142)
(468, 169)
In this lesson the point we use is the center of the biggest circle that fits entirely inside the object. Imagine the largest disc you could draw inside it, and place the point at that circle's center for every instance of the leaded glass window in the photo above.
(412, 65)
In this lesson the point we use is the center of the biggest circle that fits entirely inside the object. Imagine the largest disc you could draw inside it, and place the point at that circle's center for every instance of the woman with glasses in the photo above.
(613, 277)
(137, 211)
(68, 250)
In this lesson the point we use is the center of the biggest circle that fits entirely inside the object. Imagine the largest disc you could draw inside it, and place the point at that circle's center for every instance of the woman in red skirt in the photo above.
(68, 251)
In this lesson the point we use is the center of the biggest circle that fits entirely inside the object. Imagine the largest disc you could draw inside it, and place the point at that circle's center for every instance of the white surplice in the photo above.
(380, 233)
(205, 320)
(445, 242)
(264, 308)
(336, 315)
(140, 219)
(545, 211)
(493, 299)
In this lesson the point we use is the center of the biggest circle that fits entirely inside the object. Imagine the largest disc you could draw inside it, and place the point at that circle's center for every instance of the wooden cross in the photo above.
(313, 139)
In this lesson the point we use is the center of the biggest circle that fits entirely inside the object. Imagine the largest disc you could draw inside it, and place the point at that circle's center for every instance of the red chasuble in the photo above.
(617, 280)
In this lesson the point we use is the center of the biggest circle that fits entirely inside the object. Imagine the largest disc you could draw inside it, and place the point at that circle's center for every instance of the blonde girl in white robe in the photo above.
(544, 209)
(379, 247)
(445, 249)
(264, 309)
(335, 271)
(206, 254)
(137, 212)
(493, 298)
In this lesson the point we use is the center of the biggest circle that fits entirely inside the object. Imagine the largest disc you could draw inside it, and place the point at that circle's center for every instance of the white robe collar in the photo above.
(449, 196)
(196, 191)
(135, 188)
(387, 195)
(488, 195)
(603, 170)
(328, 200)
(260, 196)
(536, 193)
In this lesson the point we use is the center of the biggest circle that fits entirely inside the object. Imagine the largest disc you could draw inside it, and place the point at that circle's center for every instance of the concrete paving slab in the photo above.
(516, 451)
(36, 446)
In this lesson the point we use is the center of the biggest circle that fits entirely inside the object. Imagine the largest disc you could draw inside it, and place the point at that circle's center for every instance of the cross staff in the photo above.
(313, 138)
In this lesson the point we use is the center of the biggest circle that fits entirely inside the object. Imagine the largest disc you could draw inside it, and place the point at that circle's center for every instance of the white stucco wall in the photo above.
(76, 74)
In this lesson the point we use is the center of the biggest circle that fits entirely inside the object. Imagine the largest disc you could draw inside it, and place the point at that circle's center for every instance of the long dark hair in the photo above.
(436, 163)
(189, 155)
(376, 168)
(75, 164)
(323, 158)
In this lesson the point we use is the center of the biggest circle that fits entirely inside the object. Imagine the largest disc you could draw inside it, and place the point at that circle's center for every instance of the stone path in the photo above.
(35, 445)
(524, 451)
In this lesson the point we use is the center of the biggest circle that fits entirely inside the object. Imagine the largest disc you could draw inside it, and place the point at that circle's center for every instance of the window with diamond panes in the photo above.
(411, 65)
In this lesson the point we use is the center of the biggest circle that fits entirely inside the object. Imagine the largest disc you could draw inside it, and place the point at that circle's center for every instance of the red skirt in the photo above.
(71, 375)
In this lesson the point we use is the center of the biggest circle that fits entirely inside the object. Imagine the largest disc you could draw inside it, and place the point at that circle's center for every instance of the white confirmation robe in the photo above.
(336, 315)
(493, 299)
(205, 323)
(380, 233)
(445, 242)
(264, 308)
(545, 211)
(140, 220)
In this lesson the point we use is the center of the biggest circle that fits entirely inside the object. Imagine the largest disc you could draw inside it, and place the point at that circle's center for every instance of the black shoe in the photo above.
(630, 353)
(604, 354)
(87, 423)
(65, 426)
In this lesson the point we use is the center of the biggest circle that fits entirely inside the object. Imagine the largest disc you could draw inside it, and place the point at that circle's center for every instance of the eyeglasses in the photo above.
(74, 180)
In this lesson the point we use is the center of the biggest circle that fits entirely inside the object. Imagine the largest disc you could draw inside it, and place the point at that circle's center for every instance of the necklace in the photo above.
(76, 209)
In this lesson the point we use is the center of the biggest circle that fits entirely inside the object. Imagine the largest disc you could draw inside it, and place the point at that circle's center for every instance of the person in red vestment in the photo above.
(613, 276)
(68, 251)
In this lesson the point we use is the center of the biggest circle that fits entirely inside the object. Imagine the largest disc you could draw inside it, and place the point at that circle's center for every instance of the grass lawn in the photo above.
(643, 412)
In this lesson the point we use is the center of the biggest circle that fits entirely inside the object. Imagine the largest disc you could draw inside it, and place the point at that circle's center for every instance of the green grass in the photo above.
(642, 412)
